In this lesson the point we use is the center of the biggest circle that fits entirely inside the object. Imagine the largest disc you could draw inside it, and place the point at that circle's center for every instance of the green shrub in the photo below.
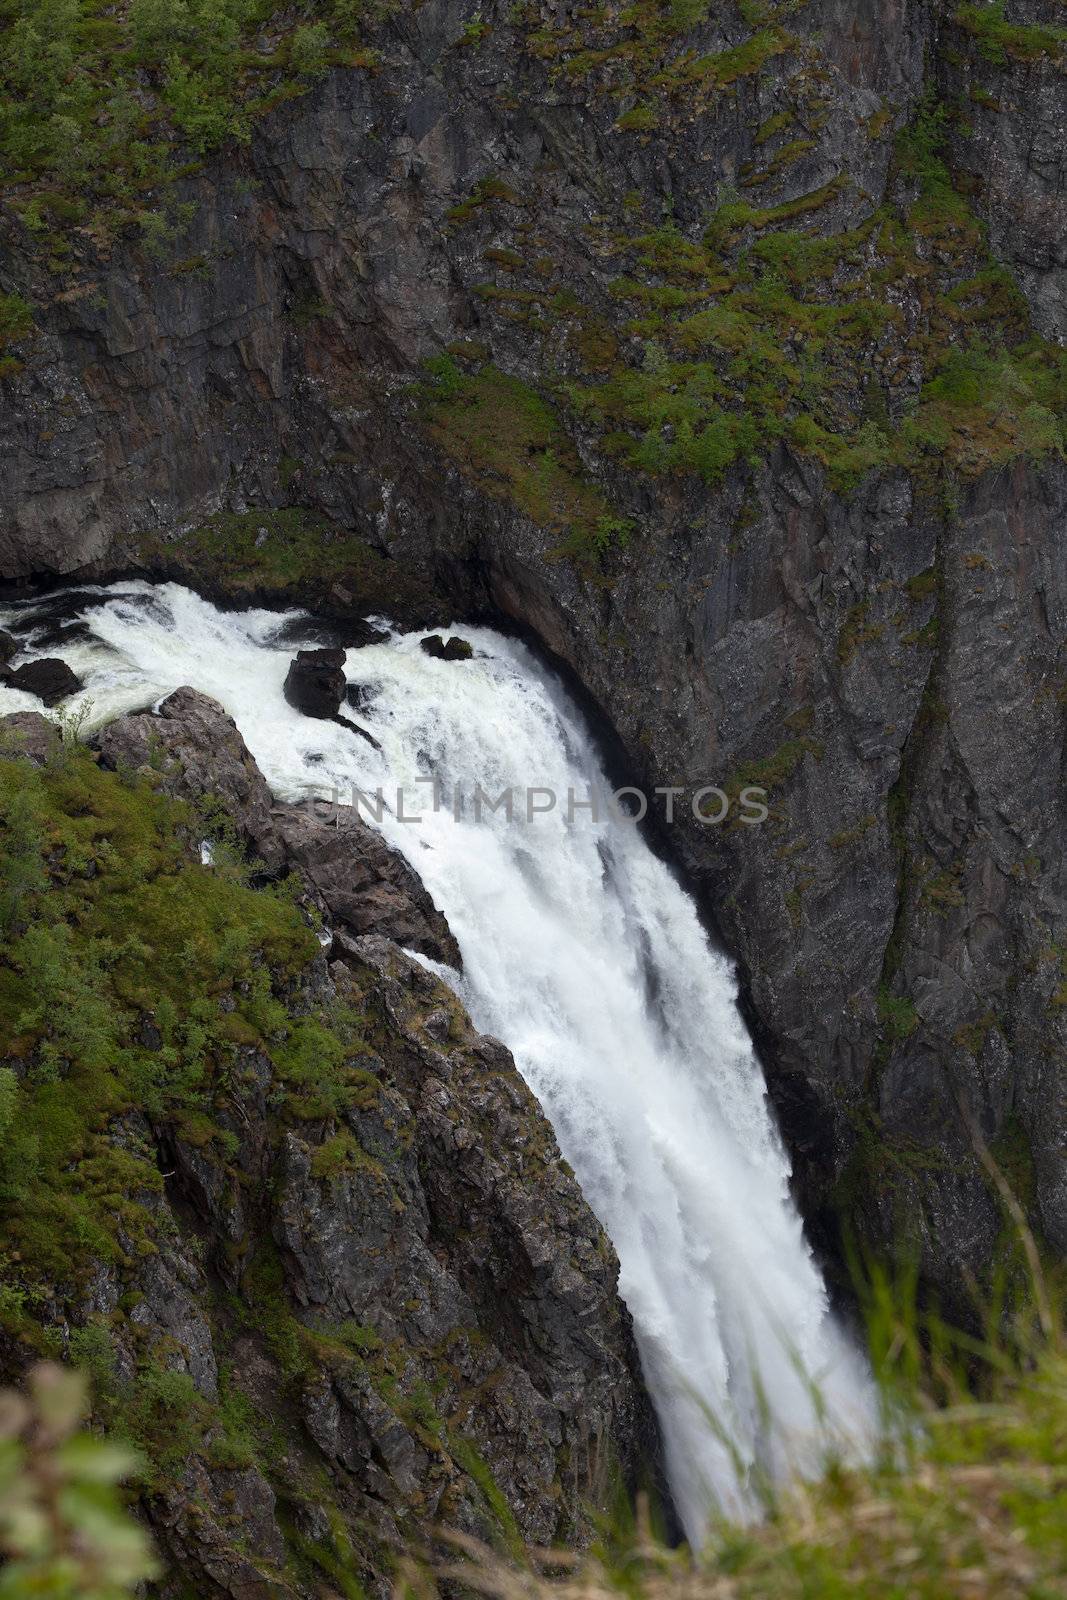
(72, 109)
(16, 318)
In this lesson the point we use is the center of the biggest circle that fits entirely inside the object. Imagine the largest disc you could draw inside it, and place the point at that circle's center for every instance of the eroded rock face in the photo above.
(201, 756)
(364, 886)
(353, 877)
(434, 1244)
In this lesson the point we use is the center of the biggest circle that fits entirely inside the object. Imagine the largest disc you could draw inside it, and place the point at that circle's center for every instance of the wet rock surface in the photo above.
(315, 682)
(454, 649)
(50, 679)
(364, 886)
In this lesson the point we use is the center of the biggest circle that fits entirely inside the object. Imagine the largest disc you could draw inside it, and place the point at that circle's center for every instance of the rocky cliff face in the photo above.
(343, 1295)
(862, 609)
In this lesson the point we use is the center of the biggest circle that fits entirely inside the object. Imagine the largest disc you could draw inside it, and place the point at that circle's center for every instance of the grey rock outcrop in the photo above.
(199, 755)
(363, 885)
(28, 734)
(195, 752)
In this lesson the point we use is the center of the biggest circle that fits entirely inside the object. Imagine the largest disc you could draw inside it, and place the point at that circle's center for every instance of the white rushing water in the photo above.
(582, 952)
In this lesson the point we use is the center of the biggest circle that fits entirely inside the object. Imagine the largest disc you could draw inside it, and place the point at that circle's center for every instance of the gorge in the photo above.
(717, 353)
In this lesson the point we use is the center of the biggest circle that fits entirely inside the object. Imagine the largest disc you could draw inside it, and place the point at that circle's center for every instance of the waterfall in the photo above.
(585, 955)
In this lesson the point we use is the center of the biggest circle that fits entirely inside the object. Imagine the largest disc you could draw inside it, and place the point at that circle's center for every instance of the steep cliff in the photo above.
(309, 1232)
(685, 336)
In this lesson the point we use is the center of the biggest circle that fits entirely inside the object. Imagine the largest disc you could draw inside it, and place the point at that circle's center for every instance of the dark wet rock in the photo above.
(328, 632)
(363, 884)
(9, 646)
(361, 696)
(315, 682)
(354, 727)
(454, 649)
(28, 734)
(50, 679)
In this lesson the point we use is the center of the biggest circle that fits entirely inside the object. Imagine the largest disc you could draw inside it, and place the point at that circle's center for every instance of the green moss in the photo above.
(640, 119)
(941, 892)
(742, 61)
(773, 125)
(342, 1153)
(971, 1036)
(897, 1014)
(640, 40)
(484, 192)
(510, 440)
(856, 631)
(467, 1456)
(847, 837)
(999, 40)
(508, 260)
(107, 918)
(16, 318)
(270, 551)
(773, 771)
(923, 586)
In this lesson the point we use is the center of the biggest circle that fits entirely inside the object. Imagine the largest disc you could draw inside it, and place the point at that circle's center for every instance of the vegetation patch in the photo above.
(132, 981)
(1001, 41)
(100, 107)
(640, 48)
(759, 329)
(510, 439)
(282, 552)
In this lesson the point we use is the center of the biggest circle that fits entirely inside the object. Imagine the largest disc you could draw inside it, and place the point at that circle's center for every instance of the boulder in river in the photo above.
(454, 649)
(50, 679)
(9, 646)
(315, 683)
